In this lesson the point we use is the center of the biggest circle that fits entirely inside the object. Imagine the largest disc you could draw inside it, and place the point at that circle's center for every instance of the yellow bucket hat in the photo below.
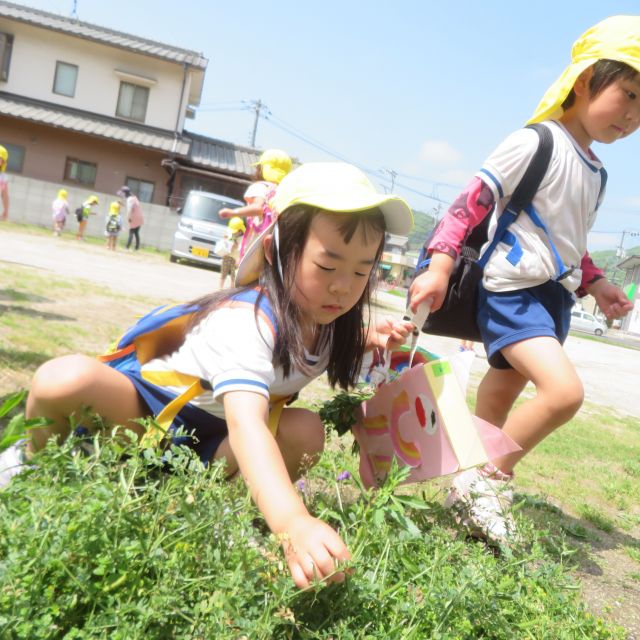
(331, 186)
(615, 38)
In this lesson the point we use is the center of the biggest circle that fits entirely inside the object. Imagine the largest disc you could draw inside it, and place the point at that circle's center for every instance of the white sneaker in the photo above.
(12, 462)
(481, 499)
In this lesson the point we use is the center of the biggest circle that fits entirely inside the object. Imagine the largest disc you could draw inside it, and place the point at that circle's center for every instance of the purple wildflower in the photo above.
(345, 475)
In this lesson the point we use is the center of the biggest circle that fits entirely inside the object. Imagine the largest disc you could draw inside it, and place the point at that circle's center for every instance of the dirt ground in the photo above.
(610, 373)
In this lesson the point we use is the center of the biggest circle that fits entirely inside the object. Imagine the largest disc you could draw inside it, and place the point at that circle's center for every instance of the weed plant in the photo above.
(125, 543)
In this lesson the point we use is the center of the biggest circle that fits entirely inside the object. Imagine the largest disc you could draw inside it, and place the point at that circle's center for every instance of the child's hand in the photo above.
(225, 213)
(432, 283)
(312, 550)
(612, 300)
(390, 334)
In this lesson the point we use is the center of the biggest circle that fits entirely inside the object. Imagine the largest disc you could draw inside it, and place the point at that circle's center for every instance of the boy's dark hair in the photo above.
(605, 73)
(346, 336)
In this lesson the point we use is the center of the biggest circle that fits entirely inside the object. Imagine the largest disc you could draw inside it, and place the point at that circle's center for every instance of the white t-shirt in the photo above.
(259, 189)
(567, 201)
(233, 353)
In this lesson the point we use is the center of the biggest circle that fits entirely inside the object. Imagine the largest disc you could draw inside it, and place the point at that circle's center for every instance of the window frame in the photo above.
(5, 55)
(67, 177)
(13, 152)
(134, 185)
(55, 77)
(137, 87)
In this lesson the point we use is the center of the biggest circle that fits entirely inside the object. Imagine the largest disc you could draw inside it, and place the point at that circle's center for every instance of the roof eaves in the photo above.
(102, 35)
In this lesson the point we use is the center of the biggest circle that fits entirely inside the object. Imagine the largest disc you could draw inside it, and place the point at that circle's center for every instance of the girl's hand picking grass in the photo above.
(313, 550)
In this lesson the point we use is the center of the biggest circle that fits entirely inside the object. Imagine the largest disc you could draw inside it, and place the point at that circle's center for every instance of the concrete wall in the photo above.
(30, 202)
(33, 64)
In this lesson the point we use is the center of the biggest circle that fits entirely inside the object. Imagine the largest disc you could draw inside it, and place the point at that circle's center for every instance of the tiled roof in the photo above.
(92, 124)
(102, 35)
(218, 154)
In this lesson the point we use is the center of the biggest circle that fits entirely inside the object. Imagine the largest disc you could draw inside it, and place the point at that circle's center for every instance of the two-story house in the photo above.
(95, 108)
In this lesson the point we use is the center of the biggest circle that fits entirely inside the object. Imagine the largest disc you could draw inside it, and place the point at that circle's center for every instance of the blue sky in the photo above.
(420, 88)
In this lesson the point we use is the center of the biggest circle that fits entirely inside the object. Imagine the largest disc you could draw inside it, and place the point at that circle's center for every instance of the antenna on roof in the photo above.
(74, 11)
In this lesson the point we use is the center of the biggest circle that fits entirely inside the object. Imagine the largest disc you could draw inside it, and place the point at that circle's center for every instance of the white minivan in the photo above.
(583, 321)
(200, 227)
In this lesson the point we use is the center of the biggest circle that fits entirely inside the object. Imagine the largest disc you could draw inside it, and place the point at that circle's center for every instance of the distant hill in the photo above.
(424, 223)
(608, 257)
(607, 261)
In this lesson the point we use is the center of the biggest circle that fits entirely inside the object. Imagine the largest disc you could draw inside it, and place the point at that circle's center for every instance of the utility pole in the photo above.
(257, 106)
(393, 175)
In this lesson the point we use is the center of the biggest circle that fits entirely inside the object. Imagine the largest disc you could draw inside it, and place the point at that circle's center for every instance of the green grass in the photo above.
(108, 546)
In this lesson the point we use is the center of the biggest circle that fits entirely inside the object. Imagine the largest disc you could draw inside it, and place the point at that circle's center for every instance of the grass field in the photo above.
(107, 546)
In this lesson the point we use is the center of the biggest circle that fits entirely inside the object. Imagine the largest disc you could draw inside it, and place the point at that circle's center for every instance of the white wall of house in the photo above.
(33, 65)
(30, 203)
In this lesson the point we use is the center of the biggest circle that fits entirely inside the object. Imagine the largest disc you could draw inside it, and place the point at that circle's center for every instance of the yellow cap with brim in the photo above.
(330, 186)
(616, 38)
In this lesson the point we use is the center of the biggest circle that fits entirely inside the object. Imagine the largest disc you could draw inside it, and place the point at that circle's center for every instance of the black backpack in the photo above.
(456, 318)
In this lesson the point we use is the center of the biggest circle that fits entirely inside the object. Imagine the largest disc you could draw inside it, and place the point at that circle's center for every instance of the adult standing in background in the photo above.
(4, 187)
(134, 215)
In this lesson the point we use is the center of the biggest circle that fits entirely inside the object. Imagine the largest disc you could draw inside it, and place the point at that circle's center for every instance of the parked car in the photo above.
(583, 321)
(200, 227)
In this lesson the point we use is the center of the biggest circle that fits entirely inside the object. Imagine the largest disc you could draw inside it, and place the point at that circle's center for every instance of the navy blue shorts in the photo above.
(206, 431)
(508, 317)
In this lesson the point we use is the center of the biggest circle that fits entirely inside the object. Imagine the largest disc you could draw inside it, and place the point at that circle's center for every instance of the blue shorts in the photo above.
(508, 317)
(205, 430)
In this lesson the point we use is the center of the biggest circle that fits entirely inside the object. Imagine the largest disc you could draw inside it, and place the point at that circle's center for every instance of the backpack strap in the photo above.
(522, 196)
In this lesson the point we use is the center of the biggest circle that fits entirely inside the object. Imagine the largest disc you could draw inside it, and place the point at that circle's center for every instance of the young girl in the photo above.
(272, 167)
(527, 292)
(298, 312)
(83, 212)
(113, 225)
(234, 233)
(59, 212)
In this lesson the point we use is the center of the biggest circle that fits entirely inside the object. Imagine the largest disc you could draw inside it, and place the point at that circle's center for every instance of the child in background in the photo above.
(272, 167)
(4, 186)
(234, 232)
(113, 225)
(59, 212)
(298, 312)
(83, 212)
(527, 292)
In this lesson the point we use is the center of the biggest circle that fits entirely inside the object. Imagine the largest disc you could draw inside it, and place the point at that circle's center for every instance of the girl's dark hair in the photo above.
(346, 336)
(605, 73)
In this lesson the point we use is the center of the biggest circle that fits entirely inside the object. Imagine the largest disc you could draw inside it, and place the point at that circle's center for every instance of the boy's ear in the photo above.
(267, 242)
(581, 86)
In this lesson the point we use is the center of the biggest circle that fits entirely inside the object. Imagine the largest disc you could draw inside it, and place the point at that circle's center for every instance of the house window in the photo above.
(132, 101)
(65, 79)
(80, 171)
(16, 157)
(141, 188)
(6, 45)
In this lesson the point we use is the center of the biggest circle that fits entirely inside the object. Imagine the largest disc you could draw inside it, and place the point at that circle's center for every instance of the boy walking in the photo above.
(529, 282)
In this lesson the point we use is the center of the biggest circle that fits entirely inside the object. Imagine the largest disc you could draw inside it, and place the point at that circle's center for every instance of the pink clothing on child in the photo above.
(59, 210)
(257, 224)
